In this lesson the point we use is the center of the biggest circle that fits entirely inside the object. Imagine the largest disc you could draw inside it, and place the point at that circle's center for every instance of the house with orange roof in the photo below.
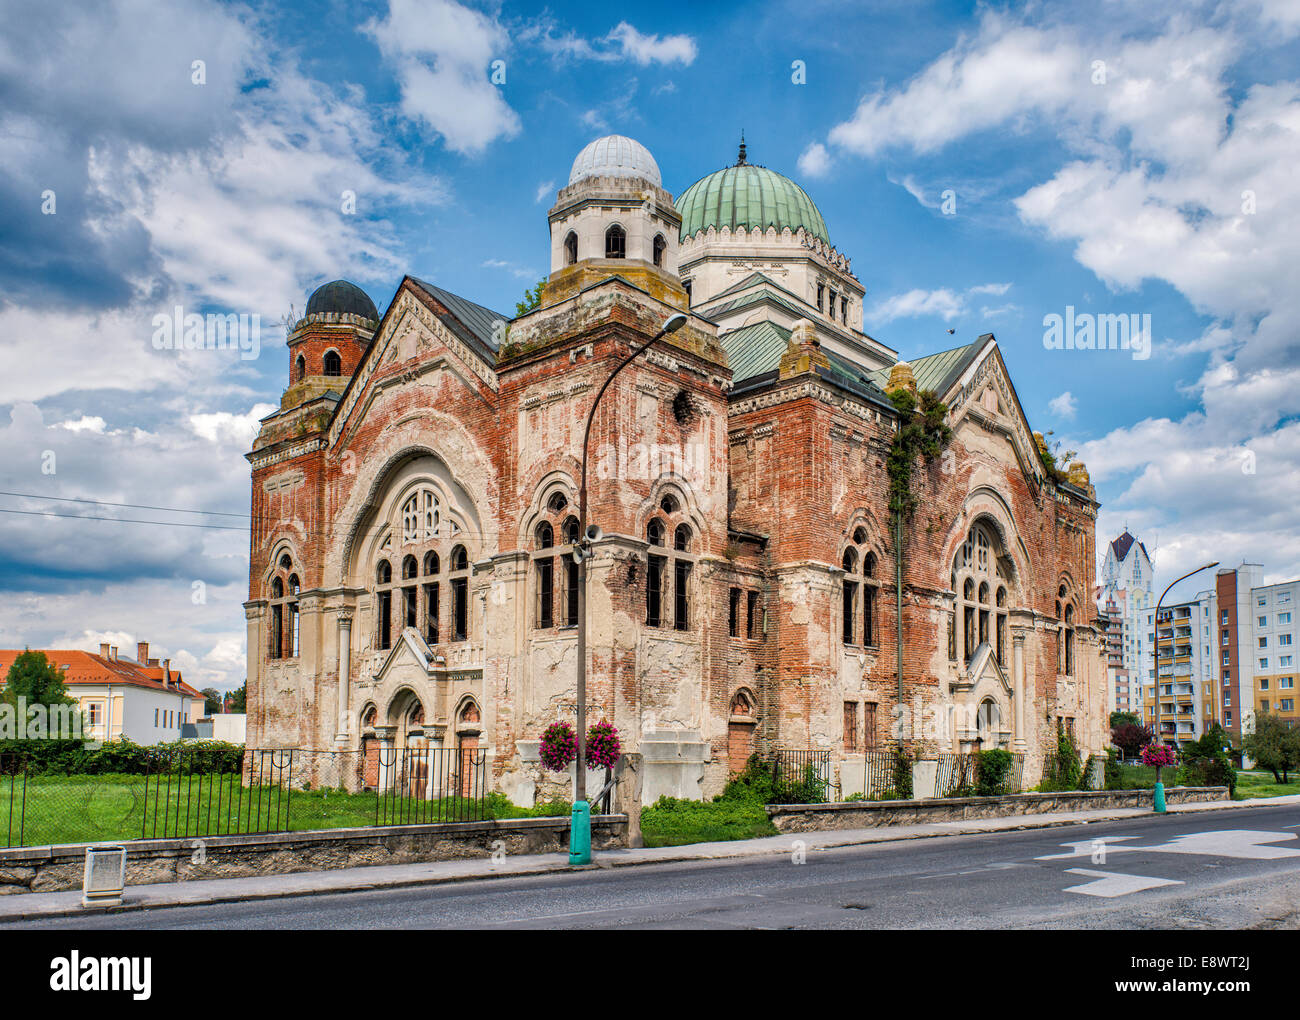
(141, 699)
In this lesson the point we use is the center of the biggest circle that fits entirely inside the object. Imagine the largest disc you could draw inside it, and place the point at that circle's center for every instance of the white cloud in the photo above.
(1177, 171)
(653, 49)
(441, 52)
(943, 302)
(623, 42)
(815, 161)
(544, 191)
(1063, 406)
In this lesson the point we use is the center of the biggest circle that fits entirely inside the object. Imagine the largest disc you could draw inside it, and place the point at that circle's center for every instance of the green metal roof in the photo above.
(752, 197)
(753, 350)
(934, 371)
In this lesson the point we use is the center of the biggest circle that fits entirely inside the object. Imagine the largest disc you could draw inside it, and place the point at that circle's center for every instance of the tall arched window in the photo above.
(668, 574)
(979, 582)
(544, 569)
(299, 368)
(333, 363)
(410, 573)
(431, 597)
(660, 246)
(282, 636)
(1066, 657)
(569, 533)
(384, 605)
(860, 590)
(459, 579)
(615, 242)
(571, 249)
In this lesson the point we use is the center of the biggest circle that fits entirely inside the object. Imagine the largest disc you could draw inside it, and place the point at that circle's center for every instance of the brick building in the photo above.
(414, 503)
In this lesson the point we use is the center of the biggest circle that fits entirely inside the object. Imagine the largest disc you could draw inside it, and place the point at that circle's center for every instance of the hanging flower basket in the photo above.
(1160, 757)
(559, 746)
(602, 745)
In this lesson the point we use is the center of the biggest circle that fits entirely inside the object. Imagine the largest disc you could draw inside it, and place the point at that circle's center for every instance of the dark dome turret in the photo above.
(342, 296)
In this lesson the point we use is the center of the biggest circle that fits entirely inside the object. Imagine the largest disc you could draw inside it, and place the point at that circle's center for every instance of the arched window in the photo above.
(282, 636)
(556, 520)
(459, 581)
(571, 249)
(660, 246)
(410, 570)
(860, 590)
(667, 606)
(421, 516)
(544, 569)
(299, 368)
(384, 605)
(1068, 641)
(333, 363)
(979, 589)
(432, 593)
(615, 242)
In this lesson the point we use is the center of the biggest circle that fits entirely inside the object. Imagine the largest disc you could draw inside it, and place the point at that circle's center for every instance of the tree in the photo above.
(1120, 718)
(532, 299)
(211, 701)
(1131, 738)
(239, 698)
(1206, 763)
(35, 679)
(1274, 745)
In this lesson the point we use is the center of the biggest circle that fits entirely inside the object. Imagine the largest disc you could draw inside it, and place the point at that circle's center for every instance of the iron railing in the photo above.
(805, 776)
(959, 774)
(881, 776)
(184, 794)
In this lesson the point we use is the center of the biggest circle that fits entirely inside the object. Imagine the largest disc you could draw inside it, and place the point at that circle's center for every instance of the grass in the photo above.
(90, 809)
(1261, 784)
(671, 822)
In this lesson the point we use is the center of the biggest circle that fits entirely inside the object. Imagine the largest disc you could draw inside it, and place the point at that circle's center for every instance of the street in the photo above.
(1222, 869)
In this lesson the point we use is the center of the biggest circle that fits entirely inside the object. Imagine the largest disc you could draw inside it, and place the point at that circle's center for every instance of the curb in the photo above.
(607, 863)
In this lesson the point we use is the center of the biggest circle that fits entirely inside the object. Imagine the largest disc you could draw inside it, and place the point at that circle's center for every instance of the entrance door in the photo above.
(740, 745)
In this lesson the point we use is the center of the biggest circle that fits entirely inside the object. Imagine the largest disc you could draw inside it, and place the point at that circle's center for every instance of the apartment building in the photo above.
(1272, 648)
(1235, 656)
(1181, 704)
(1125, 588)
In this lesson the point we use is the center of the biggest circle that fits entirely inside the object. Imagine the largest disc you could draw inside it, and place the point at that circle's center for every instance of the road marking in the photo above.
(1111, 883)
(1242, 844)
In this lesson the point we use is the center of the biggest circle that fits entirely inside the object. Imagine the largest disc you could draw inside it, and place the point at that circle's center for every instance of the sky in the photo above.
(985, 166)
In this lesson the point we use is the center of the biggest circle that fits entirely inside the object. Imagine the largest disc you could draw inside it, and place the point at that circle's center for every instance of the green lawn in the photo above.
(84, 809)
(670, 822)
(1261, 784)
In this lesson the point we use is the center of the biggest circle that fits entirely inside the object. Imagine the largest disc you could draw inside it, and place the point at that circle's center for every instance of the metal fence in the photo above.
(958, 775)
(807, 776)
(881, 776)
(186, 794)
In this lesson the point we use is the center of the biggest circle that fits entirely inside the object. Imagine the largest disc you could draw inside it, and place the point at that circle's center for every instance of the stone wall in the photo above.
(872, 814)
(52, 868)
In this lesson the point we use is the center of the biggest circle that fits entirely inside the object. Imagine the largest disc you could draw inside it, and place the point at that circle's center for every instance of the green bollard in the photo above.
(1160, 798)
(580, 833)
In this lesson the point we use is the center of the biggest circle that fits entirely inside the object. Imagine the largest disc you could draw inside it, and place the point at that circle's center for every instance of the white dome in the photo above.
(615, 156)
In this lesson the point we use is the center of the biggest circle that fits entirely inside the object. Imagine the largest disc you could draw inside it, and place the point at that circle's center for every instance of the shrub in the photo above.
(1062, 770)
(121, 757)
(902, 766)
(1114, 774)
(1205, 763)
(993, 772)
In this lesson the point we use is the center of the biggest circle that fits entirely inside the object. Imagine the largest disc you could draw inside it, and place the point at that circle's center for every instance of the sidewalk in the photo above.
(35, 906)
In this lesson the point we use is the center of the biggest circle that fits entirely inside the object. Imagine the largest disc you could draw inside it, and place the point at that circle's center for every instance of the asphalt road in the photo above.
(1220, 869)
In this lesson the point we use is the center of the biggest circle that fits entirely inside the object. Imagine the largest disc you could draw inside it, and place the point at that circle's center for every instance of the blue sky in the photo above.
(1125, 158)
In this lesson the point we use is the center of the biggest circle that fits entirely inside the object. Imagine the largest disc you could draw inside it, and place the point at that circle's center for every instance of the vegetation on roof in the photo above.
(922, 434)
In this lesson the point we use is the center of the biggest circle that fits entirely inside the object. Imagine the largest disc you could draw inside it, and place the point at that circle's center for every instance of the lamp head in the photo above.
(674, 322)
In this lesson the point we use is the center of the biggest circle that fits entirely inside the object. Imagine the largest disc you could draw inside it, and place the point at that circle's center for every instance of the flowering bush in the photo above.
(1159, 755)
(559, 746)
(602, 745)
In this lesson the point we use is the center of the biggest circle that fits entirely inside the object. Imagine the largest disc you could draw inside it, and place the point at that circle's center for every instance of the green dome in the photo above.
(748, 196)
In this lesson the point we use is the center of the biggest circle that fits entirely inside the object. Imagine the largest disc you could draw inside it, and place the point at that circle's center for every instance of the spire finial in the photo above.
(740, 161)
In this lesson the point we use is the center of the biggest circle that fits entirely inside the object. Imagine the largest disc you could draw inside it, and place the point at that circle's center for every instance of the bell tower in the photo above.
(614, 218)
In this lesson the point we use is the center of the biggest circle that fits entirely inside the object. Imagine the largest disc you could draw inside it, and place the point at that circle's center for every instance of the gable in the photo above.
(983, 394)
(411, 328)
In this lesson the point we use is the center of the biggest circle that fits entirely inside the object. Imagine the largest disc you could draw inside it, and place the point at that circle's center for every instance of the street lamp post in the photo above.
(1159, 797)
(580, 823)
